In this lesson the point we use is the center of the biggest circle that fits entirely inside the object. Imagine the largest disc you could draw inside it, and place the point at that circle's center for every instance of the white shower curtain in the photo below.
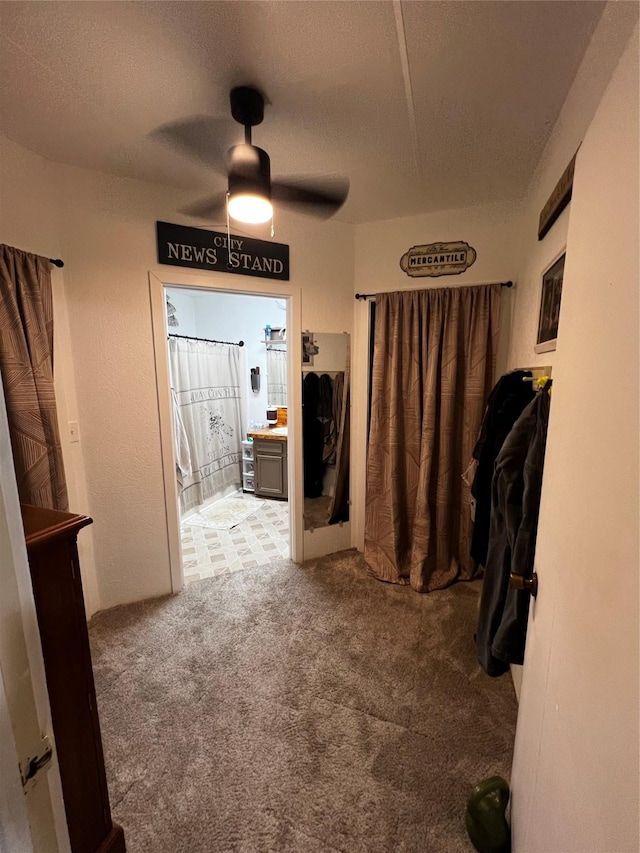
(276, 376)
(206, 381)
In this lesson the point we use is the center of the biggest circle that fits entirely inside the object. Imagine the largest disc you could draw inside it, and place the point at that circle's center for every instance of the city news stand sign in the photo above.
(196, 248)
(435, 259)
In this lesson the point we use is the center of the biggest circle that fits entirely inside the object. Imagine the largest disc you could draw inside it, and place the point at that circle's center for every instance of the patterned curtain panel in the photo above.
(276, 376)
(433, 366)
(206, 380)
(26, 365)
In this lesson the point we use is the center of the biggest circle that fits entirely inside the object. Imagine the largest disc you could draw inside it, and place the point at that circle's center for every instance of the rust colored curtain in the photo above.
(433, 365)
(26, 365)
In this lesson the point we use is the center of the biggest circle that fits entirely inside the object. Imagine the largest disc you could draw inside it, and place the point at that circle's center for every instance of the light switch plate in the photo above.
(74, 431)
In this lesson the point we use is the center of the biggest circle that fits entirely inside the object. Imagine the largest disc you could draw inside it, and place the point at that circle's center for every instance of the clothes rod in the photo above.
(373, 295)
(56, 262)
(208, 340)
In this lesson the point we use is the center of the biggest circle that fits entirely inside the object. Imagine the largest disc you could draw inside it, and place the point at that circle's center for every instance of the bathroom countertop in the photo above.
(268, 433)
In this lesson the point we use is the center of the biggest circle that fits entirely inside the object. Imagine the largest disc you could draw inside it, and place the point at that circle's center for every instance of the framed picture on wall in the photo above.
(550, 307)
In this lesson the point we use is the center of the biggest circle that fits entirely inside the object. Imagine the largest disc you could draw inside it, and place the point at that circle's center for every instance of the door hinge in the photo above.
(30, 768)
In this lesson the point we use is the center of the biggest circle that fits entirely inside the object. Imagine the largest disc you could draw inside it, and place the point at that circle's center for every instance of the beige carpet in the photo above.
(298, 708)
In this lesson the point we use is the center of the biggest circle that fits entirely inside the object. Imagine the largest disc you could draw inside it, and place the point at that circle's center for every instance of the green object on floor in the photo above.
(486, 822)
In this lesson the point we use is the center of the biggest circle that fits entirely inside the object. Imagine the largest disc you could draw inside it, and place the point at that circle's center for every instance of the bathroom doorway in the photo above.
(231, 482)
(228, 381)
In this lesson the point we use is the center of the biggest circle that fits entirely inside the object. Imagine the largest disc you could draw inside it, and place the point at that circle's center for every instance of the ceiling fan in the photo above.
(251, 192)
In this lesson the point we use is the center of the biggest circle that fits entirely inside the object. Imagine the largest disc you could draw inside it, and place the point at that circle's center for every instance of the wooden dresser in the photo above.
(57, 588)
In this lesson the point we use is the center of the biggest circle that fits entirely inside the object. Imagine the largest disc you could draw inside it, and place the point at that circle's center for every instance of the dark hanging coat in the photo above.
(506, 402)
(516, 489)
(325, 416)
(312, 437)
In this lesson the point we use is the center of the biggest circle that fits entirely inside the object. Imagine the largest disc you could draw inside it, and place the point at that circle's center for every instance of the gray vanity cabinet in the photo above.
(270, 461)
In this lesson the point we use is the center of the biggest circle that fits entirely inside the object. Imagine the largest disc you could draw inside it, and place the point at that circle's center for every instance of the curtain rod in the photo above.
(208, 340)
(373, 295)
(56, 262)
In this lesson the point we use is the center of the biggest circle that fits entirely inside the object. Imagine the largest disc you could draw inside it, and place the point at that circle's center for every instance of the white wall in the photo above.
(599, 63)
(107, 228)
(536, 256)
(575, 774)
(492, 230)
(29, 221)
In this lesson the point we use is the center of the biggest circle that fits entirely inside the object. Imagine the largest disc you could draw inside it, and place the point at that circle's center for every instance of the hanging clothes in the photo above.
(505, 404)
(325, 416)
(516, 490)
(312, 436)
(339, 506)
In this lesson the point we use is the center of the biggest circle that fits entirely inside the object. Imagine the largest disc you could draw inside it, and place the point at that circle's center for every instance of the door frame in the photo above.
(240, 285)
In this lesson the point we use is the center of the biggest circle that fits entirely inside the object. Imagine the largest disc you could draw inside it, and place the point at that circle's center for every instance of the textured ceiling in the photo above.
(422, 105)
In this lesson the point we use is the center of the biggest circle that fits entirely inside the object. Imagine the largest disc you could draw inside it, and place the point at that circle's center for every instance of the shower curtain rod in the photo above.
(373, 295)
(208, 340)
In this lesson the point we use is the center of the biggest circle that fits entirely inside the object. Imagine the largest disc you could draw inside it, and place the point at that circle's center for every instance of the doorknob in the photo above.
(521, 582)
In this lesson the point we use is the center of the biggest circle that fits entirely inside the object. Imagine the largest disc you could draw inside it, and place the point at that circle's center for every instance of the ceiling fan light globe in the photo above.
(250, 208)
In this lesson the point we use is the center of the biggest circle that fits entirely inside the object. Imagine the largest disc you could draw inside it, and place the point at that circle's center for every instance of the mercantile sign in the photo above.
(435, 259)
(198, 248)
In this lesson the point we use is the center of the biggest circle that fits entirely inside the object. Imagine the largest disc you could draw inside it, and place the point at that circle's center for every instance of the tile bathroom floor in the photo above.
(257, 540)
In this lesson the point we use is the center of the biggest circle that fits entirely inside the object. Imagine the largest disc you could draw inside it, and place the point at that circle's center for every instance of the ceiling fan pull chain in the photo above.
(226, 207)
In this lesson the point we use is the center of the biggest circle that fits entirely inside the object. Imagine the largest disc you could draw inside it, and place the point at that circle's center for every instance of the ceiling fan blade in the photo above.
(212, 208)
(321, 196)
(202, 138)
